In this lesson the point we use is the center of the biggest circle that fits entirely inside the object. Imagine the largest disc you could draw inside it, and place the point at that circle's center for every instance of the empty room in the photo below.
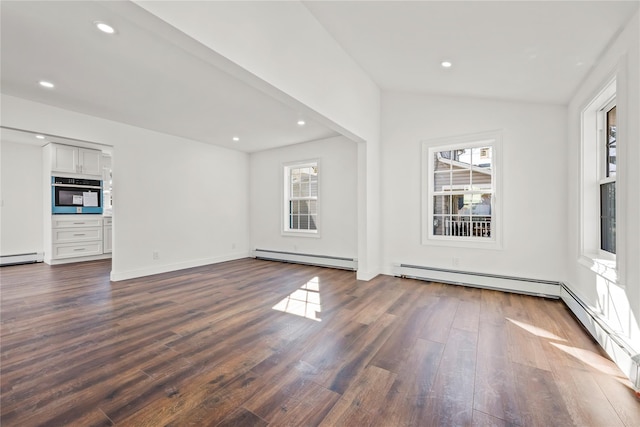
(319, 213)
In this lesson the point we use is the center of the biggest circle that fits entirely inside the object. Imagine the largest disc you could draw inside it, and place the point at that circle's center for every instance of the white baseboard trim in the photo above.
(618, 350)
(27, 258)
(310, 259)
(541, 288)
(365, 276)
(165, 268)
(76, 259)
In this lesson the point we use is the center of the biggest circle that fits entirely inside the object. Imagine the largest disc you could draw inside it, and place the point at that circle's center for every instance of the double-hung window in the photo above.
(301, 198)
(460, 198)
(600, 158)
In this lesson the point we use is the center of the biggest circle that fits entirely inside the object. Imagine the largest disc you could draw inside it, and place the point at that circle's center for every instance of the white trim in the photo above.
(601, 265)
(58, 261)
(591, 169)
(151, 270)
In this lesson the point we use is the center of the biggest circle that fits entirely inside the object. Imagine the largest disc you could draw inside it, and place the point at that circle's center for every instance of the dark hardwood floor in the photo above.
(257, 343)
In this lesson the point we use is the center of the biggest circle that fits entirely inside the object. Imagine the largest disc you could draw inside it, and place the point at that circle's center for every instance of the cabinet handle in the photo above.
(79, 234)
(79, 223)
(79, 249)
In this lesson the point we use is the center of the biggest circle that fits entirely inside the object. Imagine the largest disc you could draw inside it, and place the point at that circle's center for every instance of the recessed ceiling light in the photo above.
(301, 122)
(236, 139)
(40, 136)
(446, 64)
(105, 28)
(46, 84)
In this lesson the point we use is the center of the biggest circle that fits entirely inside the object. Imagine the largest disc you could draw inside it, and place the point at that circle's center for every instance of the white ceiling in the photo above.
(152, 76)
(146, 75)
(536, 51)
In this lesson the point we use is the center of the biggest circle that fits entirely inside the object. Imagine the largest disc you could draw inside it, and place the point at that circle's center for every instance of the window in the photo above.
(608, 138)
(461, 189)
(600, 228)
(301, 198)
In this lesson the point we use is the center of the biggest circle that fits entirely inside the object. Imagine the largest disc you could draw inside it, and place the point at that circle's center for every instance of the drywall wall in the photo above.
(292, 57)
(183, 199)
(21, 198)
(616, 301)
(337, 198)
(533, 195)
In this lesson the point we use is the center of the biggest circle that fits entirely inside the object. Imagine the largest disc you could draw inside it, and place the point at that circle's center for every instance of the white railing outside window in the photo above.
(465, 227)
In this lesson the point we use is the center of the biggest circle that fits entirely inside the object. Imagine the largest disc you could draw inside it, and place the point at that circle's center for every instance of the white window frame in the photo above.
(286, 198)
(592, 174)
(491, 139)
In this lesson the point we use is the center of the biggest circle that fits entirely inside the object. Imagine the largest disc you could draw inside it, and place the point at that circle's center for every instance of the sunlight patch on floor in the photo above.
(543, 333)
(590, 358)
(304, 301)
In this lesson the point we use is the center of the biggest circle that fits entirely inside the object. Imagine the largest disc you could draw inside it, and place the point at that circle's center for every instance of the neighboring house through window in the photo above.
(301, 198)
(607, 146)
(460, 200)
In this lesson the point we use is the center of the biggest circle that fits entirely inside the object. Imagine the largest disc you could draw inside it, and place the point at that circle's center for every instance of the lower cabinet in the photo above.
(107, 236)
(76, 236)
(72, 250)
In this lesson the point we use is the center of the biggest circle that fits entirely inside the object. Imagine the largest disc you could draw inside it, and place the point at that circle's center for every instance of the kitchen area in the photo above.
(75, 199)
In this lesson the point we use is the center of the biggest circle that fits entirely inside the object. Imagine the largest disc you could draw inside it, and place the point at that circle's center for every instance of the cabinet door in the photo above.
(75, 221)
(107, 239)
(64, 158)
(72, 250)
(75, 235)
(90, 162)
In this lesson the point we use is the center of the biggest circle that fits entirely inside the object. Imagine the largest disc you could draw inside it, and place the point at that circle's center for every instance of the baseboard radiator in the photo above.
(310, 259)
(21, 258)
(542, 288)
(620, 352)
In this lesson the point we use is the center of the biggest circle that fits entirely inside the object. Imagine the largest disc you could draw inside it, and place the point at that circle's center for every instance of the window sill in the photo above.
(308, 234)
(605, 268)
(490, 244)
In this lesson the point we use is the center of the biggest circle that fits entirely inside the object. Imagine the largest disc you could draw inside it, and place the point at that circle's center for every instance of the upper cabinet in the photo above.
(76, 160)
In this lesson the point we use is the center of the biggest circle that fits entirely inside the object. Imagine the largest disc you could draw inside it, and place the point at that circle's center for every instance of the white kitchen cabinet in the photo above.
(107, 238)
(76, 221)
(76, 160)
(75, 250)
(107, 196)
(71, 235)
(76, 236)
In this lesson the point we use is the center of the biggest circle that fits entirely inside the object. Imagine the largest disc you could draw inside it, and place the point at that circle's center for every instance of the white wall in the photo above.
(618, 302)
(311, 68)
(184, 199)
(337, 198)
(21, 195)
(533, 181)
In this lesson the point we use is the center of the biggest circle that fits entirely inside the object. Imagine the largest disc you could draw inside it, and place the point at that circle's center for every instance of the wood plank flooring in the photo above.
(205, 347)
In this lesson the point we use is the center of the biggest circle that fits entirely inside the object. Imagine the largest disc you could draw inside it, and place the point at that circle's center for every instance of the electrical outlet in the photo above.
(156, 255)
(456, 262)
(295, 248)
(233, 246)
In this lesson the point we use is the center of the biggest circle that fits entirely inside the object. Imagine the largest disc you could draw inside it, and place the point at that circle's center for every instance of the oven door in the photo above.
(69, 199)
